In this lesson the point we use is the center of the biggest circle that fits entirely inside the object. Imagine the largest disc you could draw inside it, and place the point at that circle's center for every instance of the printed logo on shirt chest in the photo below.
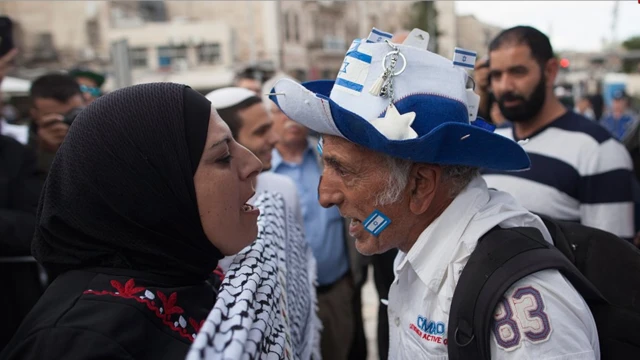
(521, 316)
(429, 330)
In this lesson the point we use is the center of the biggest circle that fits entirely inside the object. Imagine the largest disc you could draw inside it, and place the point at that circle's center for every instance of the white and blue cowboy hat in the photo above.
(430, 86)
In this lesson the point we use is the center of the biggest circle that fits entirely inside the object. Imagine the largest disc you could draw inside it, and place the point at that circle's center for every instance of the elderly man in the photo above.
(341, 272)
(402, 149)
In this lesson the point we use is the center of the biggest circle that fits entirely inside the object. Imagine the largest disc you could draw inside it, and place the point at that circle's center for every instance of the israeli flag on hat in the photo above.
(464, 58)
(376, 36)
(320, 146)
(355, 69)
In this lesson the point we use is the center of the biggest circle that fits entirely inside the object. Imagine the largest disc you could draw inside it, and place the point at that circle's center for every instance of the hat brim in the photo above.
(450, 143)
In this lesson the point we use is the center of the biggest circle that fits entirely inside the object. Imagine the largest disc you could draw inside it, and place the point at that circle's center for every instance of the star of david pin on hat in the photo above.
(392, 124)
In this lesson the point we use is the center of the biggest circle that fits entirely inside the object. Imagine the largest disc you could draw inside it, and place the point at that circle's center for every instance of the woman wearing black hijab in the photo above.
(145, 195)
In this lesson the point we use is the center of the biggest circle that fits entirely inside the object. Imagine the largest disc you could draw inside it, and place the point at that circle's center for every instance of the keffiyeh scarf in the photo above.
(266, 307)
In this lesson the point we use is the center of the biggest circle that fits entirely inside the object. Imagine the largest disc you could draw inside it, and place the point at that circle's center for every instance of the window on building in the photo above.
(93, 32)
(296, 27)
(138, 57)
(44, 49)
(168, 55)
(287, 33)
(327, 26)
(300, 75)
(153, 11)
(333, 43)
(209, 54)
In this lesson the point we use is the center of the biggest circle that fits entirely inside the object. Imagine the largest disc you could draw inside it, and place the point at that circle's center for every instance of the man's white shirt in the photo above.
(542, 316)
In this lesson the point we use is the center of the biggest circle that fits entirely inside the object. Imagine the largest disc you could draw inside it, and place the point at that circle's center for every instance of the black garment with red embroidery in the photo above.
(113, 314)
(120, 196)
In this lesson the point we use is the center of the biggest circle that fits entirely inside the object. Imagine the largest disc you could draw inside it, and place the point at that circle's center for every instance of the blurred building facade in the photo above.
(447, 20)
(203, 43)
(48, 32)
(475, 35)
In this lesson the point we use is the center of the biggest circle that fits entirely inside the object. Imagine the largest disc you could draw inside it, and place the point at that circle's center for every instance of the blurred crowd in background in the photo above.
(310, 43)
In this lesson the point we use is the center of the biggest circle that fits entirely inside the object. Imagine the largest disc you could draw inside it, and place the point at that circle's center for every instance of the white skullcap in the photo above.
(229, 96)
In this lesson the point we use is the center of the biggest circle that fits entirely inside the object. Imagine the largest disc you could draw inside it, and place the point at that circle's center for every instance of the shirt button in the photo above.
(397, 321)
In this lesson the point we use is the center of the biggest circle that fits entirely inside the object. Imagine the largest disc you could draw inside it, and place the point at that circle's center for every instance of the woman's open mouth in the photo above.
(250, 209)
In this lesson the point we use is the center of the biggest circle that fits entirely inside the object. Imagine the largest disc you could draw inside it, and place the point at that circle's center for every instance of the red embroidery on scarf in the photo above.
(194, 323)
(164, 313)
(218, 271)
(129, 288)
(170, 304)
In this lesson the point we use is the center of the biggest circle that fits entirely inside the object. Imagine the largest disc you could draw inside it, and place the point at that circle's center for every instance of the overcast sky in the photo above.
(571, 25)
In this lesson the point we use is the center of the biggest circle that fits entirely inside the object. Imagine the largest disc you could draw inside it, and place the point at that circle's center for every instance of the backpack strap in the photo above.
(560, 240)
(501, 258)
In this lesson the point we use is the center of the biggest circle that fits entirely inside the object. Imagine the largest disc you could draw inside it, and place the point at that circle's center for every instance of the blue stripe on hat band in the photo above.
(360, 56)
(381, 33)
(349, 84)
(464, 52)
(463, 64)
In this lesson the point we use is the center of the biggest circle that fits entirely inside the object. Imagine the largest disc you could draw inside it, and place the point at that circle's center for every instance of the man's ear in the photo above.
(424, 179)
(551, 69)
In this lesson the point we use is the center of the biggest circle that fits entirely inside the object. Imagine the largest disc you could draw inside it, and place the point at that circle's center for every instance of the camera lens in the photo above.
(71, 115)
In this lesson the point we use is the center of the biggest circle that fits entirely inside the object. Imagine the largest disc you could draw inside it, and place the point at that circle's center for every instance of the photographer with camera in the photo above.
(56, 99)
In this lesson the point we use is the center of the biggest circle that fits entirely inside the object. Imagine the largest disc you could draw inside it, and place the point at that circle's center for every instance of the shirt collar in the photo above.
(432, 252)
(276, 158)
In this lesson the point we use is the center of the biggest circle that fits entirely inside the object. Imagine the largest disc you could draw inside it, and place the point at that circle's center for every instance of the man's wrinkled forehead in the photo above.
(346, 152)
(339, 142)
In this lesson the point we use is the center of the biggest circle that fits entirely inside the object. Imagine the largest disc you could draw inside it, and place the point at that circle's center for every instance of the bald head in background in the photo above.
(400, 37)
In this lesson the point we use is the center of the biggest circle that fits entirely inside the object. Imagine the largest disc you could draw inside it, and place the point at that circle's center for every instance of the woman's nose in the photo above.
(251, 166)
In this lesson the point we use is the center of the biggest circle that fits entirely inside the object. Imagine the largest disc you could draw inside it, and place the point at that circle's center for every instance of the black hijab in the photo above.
(120, 193)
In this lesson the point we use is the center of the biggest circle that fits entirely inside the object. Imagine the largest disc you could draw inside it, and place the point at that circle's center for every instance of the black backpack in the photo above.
(603, 268)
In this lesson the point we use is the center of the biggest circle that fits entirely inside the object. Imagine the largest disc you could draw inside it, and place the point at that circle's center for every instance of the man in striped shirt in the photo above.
(578, 171)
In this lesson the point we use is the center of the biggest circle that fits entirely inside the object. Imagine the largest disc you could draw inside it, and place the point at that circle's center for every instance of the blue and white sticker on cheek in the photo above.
(376, 222)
